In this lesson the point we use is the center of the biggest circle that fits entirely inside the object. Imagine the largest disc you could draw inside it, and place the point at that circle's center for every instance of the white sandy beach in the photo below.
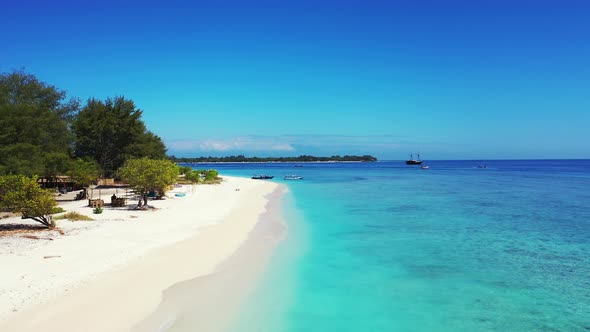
(109, 274)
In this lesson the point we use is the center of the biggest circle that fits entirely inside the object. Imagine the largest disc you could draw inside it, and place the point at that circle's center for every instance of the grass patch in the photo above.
(183, 181)
(203, 181)
(73, 216)
(217, 180)
(57, 209)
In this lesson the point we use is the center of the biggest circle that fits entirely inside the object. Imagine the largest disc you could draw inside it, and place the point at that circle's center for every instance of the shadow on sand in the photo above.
(9, 229)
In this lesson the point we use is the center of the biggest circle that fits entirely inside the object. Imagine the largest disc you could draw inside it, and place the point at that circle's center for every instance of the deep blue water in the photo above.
(389, 247)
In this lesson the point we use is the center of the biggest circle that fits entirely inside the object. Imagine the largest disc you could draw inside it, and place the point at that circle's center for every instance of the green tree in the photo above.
(148, 145)
(56, 163)
(20, 158)
(20, 88)
(112, 132)
(211, 175)
(192, 176)
(145, 175)
(34, 121)
(84, 171)
(24, 195)
(185, 169)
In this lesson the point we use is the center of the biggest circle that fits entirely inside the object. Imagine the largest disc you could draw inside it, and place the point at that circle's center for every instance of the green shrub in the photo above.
(73, 216)
(192, 176)
(211, 175)
(184, 169)
(57, 209)
(23, 195)
(97, 210)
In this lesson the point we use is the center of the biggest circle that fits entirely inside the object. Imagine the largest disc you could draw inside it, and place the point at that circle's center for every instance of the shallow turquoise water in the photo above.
(388, 247)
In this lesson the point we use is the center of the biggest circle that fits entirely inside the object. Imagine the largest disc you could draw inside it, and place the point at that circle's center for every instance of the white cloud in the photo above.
(242, 143)
(367, 141)
(297, 144)
(211, 145)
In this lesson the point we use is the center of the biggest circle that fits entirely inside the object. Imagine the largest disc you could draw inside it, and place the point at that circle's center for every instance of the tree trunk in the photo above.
(145, 198)
(45, 220)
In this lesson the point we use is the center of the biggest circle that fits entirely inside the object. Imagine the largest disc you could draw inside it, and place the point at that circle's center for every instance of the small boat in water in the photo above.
(425, 167)
(413, 161)
(262, 177)
(293, 177)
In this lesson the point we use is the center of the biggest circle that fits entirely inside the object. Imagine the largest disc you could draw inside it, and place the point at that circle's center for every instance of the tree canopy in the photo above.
(84, 171)
(42, 132)
(145, 175)
(34, 122)
(56, 163)
(195, 176)
(23, 195)
(112, 132)
(192, 176)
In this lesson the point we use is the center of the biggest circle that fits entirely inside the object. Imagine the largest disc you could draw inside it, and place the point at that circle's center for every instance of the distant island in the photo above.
(300, 159)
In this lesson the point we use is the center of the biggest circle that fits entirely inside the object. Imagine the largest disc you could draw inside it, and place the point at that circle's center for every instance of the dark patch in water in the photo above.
(404, 208)
(359, 178)
(360, 211)
(430, 271)
(544, 327)
(522, 252)
(376, 226)
(501, 284)
(486, 203)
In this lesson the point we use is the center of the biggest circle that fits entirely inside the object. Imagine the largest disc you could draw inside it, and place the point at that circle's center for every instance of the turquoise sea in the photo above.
(388, 247)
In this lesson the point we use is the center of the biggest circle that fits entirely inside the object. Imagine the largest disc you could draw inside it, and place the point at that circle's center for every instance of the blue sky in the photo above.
(451, 79)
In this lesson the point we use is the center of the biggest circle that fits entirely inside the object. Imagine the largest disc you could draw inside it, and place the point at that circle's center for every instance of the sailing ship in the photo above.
(413, 161)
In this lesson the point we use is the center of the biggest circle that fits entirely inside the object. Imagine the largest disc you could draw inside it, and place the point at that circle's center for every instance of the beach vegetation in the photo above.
(192, 176)
(203, 176)
(211, 175)
(97, 210)
(45, 133)
(22, 194)
(112, 131)
(57, 209)
(35, 119)
(20, 158)
(147, 175)
(184, 170)
(84, 171)
(73, 216)
(55, 164)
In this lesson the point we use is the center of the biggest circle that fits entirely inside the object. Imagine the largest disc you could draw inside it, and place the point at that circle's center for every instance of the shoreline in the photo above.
(194, 304)
(272, 162)
(126, 286)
